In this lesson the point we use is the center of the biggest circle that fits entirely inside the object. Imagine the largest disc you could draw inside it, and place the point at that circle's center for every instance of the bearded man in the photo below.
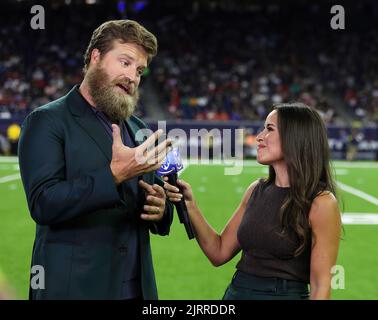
(90, 184)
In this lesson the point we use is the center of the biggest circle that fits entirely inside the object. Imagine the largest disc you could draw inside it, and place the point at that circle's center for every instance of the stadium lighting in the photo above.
(139, 6)
(121, 6)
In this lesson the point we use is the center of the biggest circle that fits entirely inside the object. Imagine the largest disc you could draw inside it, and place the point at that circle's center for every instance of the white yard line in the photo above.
(357, 165)
(9, 166)
(358, 193)
(9, 159)
(348, 218)
(360, 218)
(10, 178)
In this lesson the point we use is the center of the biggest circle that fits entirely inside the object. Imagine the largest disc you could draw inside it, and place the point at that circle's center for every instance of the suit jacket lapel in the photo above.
(95, 130)
(133, 129)
(86, 118)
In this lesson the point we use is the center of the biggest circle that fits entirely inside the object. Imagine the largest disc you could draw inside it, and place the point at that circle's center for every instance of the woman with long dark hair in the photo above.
(287, 226)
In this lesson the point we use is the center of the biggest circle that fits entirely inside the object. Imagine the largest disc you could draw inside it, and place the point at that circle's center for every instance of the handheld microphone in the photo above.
(170, 168)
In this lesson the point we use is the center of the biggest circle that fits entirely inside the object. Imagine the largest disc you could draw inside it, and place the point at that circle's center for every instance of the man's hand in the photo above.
(131, 162)
(155, 199)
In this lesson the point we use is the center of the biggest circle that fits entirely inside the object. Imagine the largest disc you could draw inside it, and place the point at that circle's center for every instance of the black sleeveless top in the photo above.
(265, 252)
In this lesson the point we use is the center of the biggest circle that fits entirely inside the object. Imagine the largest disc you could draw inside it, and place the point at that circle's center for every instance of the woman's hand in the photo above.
(173, 193)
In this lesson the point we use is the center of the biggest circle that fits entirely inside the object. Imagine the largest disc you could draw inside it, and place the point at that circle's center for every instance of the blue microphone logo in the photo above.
(172, 163)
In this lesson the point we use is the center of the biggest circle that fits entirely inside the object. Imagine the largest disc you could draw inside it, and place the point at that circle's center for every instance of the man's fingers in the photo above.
(155, 164)
(155, 200)
(160, 158)
(117, 140)
(159, 190)
(150, 142)
(164, 146)
(154, 155)
(160, 152)
(147, 152)
(146, 187)
(151, 217)
(152, 209)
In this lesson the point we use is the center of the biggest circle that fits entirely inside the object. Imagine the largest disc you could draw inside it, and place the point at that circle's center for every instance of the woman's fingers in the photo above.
(171, 188)
(174, 195)
(174, 199)
(183, 183)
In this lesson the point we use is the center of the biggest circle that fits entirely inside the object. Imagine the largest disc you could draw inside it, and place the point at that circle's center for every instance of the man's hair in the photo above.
(125, 31)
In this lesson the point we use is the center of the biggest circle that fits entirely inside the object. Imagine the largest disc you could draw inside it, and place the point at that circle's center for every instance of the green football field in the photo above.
(182, 270)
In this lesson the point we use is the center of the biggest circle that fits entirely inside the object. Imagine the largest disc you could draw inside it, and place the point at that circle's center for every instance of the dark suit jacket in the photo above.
(64, 155)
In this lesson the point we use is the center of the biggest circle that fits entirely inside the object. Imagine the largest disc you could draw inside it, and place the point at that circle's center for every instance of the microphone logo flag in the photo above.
(172, 163)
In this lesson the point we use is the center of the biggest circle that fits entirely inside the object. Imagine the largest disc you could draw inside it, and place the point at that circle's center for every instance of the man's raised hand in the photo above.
(130, 162)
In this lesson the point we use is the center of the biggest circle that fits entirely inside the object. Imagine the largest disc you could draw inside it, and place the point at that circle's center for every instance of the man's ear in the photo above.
(95, 56)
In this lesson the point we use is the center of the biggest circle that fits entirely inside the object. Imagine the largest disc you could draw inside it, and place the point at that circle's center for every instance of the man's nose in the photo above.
(131, 74)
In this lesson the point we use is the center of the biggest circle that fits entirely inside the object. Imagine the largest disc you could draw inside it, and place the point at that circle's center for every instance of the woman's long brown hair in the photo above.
(306, 152)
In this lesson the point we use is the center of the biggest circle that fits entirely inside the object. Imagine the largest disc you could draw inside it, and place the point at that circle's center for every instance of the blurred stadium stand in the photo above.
(220, 63)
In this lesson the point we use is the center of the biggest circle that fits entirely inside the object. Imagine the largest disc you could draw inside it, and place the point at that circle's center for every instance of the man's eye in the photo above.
(124, 63)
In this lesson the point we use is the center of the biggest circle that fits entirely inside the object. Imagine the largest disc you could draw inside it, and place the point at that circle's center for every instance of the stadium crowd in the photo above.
(235, 66)
(212, 64)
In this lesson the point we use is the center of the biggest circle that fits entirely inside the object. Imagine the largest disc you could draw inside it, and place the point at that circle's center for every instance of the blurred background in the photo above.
(221, 64)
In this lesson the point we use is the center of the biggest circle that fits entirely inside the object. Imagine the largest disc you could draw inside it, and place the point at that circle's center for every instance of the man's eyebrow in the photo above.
(127, 56)
(132, 59)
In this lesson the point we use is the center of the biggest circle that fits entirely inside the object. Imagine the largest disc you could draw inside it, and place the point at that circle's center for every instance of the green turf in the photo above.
(17, 234)
(218, 196)
(182, 270)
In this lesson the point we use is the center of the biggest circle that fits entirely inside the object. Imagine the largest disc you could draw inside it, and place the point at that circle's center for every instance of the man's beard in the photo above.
(118, 106)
